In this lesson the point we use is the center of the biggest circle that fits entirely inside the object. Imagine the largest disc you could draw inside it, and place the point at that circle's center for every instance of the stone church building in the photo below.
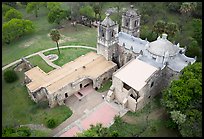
(145, 68)
(139, 69)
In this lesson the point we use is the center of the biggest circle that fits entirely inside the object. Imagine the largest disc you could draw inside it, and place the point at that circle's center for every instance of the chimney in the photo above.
(164, 36)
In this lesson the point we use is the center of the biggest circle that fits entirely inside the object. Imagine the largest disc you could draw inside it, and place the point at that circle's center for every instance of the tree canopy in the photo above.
(55, 36)
(15, 28)
(183, 100)
(56, 15)
(87, 11)
(98, 131)
(13, 13)
(34, 7)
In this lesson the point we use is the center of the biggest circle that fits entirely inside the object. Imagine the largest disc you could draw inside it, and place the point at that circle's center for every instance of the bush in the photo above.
(51, 123)
(13, 13)
(19, 132)
(170, 124)
(10, 76)
(5, 8)
(24, 131)
(7, 131)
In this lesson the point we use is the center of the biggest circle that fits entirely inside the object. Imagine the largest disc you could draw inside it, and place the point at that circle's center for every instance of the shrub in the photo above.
(13, 13)
(51, 123)
(170, 124)
(118, 119)
(7, 131)
(10, 76)
(24, 131)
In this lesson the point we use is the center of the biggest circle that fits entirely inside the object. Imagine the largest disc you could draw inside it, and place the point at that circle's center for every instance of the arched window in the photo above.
(152, 84)
(127, 23)
(135, 23)
(103, 35)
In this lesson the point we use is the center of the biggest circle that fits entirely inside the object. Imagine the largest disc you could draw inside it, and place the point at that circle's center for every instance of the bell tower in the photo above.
(131, 22)
(107, 39)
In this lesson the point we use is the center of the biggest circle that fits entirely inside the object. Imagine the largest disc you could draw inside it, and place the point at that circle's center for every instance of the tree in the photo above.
(12, 4)
(193, 49)
(13, 13)
(16, 28)
(159, 27)
(187, 8)
(10, 76)
(171, 29)
(55, 36)
(183, 100)
(174, 6)
(147, 33)
(98, 131)
(5, 8)
(53, 5)
(34, 7)
(57, 15)
(197, 13)
(87, 11)
(197, 30)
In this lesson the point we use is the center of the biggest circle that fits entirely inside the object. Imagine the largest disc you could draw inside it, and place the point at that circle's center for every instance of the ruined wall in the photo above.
(131, 103)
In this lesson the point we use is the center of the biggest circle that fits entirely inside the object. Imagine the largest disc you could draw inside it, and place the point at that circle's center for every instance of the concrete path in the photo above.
(37, 53)
(48, 61)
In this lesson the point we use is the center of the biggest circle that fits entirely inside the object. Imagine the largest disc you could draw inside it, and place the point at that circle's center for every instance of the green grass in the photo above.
(157, 128)
(105, 86)
(154, 128)
(40, 133)
(67, 54)
(19, 109)
(40, 39)
(38, 61)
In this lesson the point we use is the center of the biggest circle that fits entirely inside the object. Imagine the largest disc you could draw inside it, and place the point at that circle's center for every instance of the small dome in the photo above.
(107, 21)
(161, 46)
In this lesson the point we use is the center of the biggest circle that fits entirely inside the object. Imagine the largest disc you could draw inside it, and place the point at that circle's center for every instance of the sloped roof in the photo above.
(95, 65)
(131, 12)
(107, 21)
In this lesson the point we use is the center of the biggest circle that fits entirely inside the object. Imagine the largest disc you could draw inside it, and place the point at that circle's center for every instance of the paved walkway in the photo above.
(38, 53)
(48, 61)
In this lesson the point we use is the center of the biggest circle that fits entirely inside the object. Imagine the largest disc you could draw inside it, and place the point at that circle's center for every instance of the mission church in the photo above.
(139, 69)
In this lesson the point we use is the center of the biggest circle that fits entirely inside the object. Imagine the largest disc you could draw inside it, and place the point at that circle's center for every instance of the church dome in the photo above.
(162, 46)
(107, 21)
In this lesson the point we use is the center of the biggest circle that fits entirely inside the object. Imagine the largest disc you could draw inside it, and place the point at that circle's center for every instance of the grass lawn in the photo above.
(67, 54)
(19, 109)
(40, 133)
(137, 124)
(39, 39)
(105, 86)
(38, 61)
